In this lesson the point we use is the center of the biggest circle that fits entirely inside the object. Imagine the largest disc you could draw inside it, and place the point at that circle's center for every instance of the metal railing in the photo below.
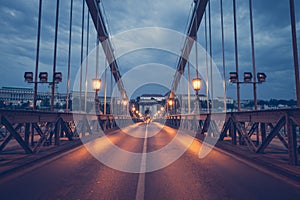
(255, 129)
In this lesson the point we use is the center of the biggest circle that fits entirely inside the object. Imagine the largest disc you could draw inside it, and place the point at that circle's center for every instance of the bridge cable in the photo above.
(253, 55)
(105, 89)
(295, 50)
(189, 89)
(206, 61)
(69, 57)
(236, 54)
(37, 56)
(81, 56)
(223, 55)
(210, 60)
(55, 56)
(86, 61)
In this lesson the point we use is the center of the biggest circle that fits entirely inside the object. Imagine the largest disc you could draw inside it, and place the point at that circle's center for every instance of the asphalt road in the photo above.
(79, 175)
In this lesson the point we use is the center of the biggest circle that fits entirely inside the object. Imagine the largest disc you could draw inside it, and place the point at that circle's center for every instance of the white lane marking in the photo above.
(140, 191)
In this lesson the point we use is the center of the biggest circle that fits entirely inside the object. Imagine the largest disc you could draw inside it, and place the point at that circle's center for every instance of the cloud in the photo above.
(271, 25)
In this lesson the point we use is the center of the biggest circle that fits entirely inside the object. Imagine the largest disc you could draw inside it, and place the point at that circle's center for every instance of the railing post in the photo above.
(27, 133)
(292, 141)
(263, 132)
(57, 131)
(232, 132)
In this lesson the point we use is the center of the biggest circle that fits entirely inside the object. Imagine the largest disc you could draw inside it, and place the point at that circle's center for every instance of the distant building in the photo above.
(150, 103)
(15, 95)
(228, 100)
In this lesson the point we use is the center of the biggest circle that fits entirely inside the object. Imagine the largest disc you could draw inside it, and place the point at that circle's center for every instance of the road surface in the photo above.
(79, 175)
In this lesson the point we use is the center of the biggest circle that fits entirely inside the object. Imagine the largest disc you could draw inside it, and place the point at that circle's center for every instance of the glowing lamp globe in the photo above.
(196, 84)
(96, 84)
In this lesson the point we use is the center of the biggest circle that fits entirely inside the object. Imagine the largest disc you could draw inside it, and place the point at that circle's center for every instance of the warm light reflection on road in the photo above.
(187, 141)
(123, 151)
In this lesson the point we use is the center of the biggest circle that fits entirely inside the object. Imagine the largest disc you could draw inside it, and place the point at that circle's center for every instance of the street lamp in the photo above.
(170, 102)
(233, 77)
(261, 77)
(170, 105)
(28, 76)
(197, 86)
(43, 76)
(247, 77)
(97, 86)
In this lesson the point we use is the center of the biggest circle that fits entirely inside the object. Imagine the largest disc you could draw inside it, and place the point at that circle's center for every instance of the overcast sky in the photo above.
(272, 29)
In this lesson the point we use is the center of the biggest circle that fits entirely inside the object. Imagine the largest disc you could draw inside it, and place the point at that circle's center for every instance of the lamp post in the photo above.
(260, 78)
(43, 76)
(170, 104)
(197, 81)
(197, 86)
(97, 87)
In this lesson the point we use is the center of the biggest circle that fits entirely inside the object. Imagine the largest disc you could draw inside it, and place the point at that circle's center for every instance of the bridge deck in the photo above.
(78, 175)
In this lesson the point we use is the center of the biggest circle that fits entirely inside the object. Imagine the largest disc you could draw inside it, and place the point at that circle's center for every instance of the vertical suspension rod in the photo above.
(55, 55)
(210, 60)
(253, 56)
(37, 56)
(69, 57)
(81, 57)
(86, 61)
(236, 54)
(223, 55)
(295, 50)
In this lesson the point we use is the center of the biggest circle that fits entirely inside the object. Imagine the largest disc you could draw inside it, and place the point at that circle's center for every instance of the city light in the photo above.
(196, 84)
(170, 102)
(96, 84)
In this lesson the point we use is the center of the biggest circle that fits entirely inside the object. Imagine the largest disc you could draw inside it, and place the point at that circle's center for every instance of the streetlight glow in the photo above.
(125, 102)
(196, 84)
(170, 102)
(96, 84)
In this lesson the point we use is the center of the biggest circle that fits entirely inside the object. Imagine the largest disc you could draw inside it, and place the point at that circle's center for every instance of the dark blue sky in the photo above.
(271, 26)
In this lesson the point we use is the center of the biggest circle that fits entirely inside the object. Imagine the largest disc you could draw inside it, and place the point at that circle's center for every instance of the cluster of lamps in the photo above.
(43, 76)
(234, 77)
